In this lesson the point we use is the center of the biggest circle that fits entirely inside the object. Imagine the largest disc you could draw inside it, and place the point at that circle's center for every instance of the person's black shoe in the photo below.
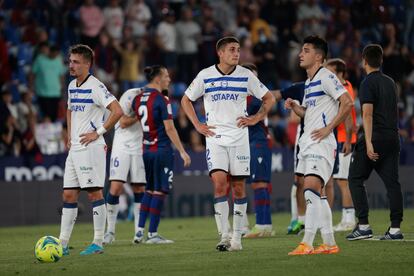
(358, 234)
(389, 236)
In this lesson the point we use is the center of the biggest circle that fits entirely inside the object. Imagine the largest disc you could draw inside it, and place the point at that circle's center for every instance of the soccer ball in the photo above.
(48, 249)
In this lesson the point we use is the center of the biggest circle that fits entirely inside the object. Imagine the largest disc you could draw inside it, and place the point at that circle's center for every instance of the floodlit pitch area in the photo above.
(193, 252)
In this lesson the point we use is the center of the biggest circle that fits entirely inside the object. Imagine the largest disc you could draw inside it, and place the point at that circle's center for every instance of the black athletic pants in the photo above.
(387, 168)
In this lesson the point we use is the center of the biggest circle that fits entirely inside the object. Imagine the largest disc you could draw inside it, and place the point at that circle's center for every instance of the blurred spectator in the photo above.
(105, 57)
(92, 21)
(183, 126)
(49, 137)
(196, 143)
(138, 17)
(207, 49)
(47, 80)
(265, 53)
(258, 26)
(166, 39)
(246, 51)
(410, 130)
(188, 36)
(26, 110)
(312, 16)
(9, 135)
(29, 145)
(114, 19)
(131, 56)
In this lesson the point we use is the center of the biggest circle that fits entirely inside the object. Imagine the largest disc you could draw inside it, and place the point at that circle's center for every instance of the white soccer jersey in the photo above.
(128, 139)
(87, 104)
(225, 100)
(321, 103)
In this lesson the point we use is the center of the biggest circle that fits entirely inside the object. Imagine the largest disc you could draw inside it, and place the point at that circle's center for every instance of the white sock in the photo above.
(240, 207)
(293, 203)
(302, 218)
(137, 207)
(112, 214)
(394, 231)
(67, 222)
(350, 215)
(327, 232)
(313, 207)
(245, 224)
(99, 219)
(222, 217)
(343, 218)
(364, 227)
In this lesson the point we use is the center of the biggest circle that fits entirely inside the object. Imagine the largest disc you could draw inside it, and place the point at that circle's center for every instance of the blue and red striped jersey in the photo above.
(152, 108)
(259, 132)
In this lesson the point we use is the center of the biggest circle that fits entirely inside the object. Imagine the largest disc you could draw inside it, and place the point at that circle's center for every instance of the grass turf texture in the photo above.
(193, 252)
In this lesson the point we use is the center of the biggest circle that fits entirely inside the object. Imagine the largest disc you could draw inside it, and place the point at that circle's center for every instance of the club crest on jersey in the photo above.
(224, 83)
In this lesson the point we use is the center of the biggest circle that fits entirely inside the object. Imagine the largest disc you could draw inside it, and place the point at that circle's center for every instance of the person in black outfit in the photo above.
(378, 146)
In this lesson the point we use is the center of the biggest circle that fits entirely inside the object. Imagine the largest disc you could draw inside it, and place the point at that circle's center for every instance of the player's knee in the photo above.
(70, 196)
(94, 195)
(116, 188)
(138, 188)
(239, 191)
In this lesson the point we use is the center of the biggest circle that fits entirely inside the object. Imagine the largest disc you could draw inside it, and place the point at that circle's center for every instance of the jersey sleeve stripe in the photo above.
(315, 94)
(228, 88)
(312, 84)
(238, 79)
(83, 91)
(81, 101)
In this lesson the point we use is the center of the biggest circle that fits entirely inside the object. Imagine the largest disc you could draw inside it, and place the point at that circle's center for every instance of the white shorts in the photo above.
(232, 159)
(122, 163)
(344, 162)
(317, 159)
(85, 168)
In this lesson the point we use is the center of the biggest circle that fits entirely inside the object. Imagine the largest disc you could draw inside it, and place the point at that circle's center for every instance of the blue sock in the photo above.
(260, 205)
(138, 197)
(145, 206)
(155, 212)
(267, 212)
(111, 199)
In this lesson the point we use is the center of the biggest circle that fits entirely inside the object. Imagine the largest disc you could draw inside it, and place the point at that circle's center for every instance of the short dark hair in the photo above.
(226, 40)
(84, 50)
(339, 64)
(252, 67)
(372, 54)
(152, 71)
(318, 43)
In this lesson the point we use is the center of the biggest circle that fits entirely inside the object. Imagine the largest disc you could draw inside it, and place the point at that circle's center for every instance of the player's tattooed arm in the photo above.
(127, 121)
(268, 101)
(295, 106)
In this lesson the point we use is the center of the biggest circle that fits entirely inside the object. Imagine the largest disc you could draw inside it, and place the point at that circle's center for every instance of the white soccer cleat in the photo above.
(224, 244)
(158, 240)
(109, 238)
(139, 237)
(344, 226)
(235, 246)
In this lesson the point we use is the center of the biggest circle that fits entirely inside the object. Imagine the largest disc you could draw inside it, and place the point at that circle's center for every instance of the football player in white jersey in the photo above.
(126, 157)
(326, 103)
(225, 87)
(85, 165)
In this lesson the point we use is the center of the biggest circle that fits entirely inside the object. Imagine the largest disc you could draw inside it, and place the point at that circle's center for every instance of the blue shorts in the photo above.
(159, 170)
(260, 163)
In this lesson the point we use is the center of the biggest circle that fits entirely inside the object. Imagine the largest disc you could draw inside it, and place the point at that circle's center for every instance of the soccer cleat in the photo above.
(139, 237)
(235, 246)
(358, 234)
(65, 251)
(344, 226)
(290, 227)
(326, 249)
(259, 233)
(158, 240)
(92, 249)
(297, 228)
(224, 244)
(389, 236)
(108, 238)
(302, 249)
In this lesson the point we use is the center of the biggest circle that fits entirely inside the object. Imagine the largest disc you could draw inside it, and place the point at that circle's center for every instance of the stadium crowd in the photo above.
(127, 35)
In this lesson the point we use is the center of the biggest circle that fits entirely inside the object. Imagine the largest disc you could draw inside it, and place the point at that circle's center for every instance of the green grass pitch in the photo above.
(193, 252)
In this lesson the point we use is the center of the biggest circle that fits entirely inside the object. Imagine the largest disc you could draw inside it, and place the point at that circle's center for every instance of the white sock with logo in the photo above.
(312, 216)
(68, 219)
(327, 232)
(293, 203)
(99, 219)
(221, 208)
(112, 214)
(239, 214)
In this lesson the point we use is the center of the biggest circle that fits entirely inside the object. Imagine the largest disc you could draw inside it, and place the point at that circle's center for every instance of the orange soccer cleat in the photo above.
(302, 249)
(326, 249)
